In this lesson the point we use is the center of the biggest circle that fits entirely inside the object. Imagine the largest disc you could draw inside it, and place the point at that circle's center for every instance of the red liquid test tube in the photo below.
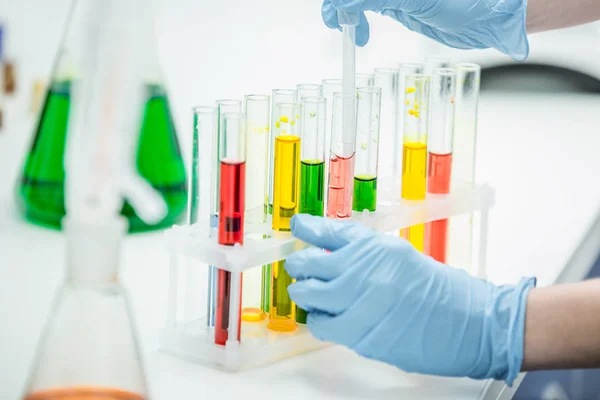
(439, 160)
(232, 189)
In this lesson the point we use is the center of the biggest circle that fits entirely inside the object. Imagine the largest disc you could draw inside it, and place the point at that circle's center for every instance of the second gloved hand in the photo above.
(463, 24)
(377, 295)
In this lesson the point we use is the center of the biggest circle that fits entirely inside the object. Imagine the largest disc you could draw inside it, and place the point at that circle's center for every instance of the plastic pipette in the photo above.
(348, 22)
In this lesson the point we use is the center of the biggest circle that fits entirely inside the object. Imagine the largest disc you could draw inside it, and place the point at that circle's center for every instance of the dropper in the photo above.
(348, 21)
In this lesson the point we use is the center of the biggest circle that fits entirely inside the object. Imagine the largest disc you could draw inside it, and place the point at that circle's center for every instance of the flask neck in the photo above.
(93, 249)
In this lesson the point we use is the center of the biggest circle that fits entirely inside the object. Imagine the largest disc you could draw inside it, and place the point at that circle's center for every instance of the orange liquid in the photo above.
(438, 182)
(84, 393)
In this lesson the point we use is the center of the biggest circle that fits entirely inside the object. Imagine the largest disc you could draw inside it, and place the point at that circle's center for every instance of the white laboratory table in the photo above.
(540, 152)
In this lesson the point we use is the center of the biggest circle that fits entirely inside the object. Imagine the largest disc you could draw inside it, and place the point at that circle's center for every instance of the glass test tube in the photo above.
(404, 70)
(199, 189)
(330, 86)
(367, 149)
(460, 238)
(307, 90)
(364, 80)
(414, 157)
(232, 188)
(312, 164)
(341, 166)
(223, 107)
(434, 62)
(439, 159)
(387, 80)
(278, 96)
(256, 281)
(286, 203)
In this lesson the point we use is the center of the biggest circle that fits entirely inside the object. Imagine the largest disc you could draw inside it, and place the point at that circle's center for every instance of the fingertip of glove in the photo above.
(329, 15)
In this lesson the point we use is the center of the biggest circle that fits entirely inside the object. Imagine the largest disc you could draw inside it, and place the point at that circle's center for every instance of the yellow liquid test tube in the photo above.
(414, 154)
(286, 203)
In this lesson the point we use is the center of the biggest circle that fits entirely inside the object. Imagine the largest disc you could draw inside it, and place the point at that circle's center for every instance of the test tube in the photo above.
(387, 80)
(307, 90)
(232, 188)
(341, 166)
(330, 86)
(364, 80)
(460, 237)
(414, 157)
(367, 149)
(224, 106)
(312, 164)
(404, 70)
(256, 280)
(286, 203)
(278, 96)
(439, 159)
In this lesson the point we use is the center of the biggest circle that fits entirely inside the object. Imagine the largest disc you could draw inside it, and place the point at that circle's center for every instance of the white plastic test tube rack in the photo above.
(190, 247)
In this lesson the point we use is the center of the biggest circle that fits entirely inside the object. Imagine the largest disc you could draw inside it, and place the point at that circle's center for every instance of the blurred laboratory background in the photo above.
(538, 146)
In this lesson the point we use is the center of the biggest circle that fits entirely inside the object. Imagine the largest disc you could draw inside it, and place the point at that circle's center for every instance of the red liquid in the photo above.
(439, 171)
(231, 231)
(341, 186)
(84, 393)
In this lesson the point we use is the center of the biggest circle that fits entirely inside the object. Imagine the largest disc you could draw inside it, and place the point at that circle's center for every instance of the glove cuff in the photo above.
(516, 328)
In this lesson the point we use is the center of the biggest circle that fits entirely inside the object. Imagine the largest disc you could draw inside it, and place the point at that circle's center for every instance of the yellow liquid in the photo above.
(286, 181)
(253, 314)
(414, 171)
(282, 311)
(414, 187)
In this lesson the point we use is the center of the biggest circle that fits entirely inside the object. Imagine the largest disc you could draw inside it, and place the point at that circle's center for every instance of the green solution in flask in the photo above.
(159, 162)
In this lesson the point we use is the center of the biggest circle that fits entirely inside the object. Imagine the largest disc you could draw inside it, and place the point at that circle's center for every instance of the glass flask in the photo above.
(40, 192)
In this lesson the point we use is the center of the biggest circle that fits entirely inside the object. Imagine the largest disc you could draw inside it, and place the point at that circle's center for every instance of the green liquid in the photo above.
(281, 297)
(312, 190)
(312, 187)
(40, 193)
(365, 193)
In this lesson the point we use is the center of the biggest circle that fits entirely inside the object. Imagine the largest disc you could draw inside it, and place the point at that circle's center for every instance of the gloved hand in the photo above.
(463, 24)
(377, 295)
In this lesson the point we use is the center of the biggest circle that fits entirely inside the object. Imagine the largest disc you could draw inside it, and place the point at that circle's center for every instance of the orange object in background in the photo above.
(84, 393)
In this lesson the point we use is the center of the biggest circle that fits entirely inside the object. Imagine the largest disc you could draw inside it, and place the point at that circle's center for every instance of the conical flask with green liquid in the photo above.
(40, 191)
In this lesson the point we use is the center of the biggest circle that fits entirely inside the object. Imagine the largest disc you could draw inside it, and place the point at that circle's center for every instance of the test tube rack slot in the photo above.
(192, 247)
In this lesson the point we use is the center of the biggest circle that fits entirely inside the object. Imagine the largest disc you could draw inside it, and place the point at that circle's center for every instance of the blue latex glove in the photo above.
(463, 24)
(378, 296)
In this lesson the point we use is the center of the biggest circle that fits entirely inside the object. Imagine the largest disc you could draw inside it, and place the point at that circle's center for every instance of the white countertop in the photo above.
(540, 152)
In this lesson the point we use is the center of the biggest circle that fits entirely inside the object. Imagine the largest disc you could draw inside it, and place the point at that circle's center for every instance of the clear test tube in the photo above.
(341, 166)
(460, 239)
(199, 190)
(414, 157)
(439, 158)
(232, 193)
(307, 90)
(387, 80)
(286, 203)
(278, 96)
(312, 164)
(223, 107)
(256, 280)
(404, 70)
(364, 80)
(367, 149)
(434, 62)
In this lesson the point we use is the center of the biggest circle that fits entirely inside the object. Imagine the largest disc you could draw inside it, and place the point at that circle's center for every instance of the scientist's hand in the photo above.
(377, 295)
(463, 24)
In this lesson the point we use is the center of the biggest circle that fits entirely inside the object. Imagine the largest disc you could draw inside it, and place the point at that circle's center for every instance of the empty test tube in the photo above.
(367, 149)
(460, 237)
(286, 203)
(387, 80)
(312, 164)
(256, 281)
(404, 70)
(341, 165)
(307, 90)
(232, 177)
(414, 157)
(439, 159)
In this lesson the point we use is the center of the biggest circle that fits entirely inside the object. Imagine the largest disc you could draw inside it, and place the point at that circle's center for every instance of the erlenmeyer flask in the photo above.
(40, 192)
